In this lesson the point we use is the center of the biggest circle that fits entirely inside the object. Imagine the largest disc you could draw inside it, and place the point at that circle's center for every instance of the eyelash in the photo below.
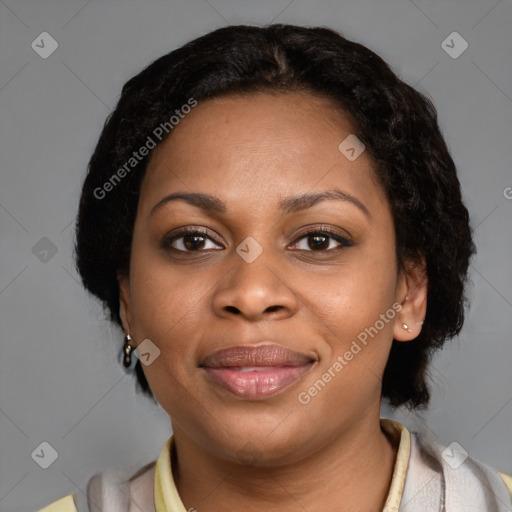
(324, 231)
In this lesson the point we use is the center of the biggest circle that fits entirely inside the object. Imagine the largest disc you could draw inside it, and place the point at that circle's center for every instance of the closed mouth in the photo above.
(256, 372)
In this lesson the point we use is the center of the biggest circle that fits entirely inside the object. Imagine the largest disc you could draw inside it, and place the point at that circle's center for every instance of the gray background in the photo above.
(60, 381)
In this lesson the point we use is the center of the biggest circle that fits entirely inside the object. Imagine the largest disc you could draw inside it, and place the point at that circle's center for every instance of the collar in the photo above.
(167, 498)
(396, 488)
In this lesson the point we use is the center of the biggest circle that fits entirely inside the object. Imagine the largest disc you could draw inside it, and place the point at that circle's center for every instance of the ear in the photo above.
(412, 291)
(125, 305)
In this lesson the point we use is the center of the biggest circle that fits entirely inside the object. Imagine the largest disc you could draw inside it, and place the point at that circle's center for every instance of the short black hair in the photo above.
(397, 124)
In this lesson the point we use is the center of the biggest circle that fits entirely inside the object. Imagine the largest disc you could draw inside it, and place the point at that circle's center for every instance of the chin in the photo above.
(259, 443)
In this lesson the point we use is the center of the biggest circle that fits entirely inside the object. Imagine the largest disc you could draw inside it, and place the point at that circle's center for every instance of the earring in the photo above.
(406, 327)
(127, 351)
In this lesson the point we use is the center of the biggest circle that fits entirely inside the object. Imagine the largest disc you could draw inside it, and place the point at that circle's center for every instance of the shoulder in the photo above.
(110, 490)
(459, 481)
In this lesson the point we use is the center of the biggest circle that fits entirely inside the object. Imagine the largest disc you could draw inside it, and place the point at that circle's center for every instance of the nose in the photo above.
(257, 291)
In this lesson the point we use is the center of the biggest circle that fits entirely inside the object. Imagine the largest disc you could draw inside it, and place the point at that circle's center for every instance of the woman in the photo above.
(274, 220)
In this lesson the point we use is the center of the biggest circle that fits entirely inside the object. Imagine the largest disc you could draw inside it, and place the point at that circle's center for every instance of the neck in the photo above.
(352, 471)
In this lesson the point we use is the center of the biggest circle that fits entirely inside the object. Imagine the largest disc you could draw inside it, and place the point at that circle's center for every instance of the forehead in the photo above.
(257, 145)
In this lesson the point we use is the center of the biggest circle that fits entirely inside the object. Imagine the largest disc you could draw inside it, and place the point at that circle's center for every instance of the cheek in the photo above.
(164, 298)
(166, 306)
(166, 311)
(354, 296)
(354, 311)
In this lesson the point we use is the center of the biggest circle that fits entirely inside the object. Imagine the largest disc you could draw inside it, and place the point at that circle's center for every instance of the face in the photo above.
(274, 314)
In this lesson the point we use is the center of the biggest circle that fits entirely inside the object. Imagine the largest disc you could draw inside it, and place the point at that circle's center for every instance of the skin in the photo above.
(272, 454)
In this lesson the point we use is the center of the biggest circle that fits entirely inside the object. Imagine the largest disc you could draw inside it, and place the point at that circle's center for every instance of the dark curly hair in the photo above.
(397, 124)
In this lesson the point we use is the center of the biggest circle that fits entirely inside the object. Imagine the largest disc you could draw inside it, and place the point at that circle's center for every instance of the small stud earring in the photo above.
(406, 327)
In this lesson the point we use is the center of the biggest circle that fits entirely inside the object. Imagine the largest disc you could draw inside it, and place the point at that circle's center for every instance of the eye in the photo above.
(198, 239)
(189, 240)
(322, 239)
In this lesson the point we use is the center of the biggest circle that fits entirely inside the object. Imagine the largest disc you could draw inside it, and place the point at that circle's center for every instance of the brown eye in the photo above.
(323, 240)
(189, 240)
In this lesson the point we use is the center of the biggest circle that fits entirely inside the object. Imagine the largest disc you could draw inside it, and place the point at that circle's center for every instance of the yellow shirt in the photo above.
(167, 498)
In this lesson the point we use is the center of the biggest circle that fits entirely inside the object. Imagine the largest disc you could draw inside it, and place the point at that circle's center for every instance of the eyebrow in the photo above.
(212, 204)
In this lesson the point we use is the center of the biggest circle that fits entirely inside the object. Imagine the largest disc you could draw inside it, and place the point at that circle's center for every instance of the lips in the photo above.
(256, 372)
